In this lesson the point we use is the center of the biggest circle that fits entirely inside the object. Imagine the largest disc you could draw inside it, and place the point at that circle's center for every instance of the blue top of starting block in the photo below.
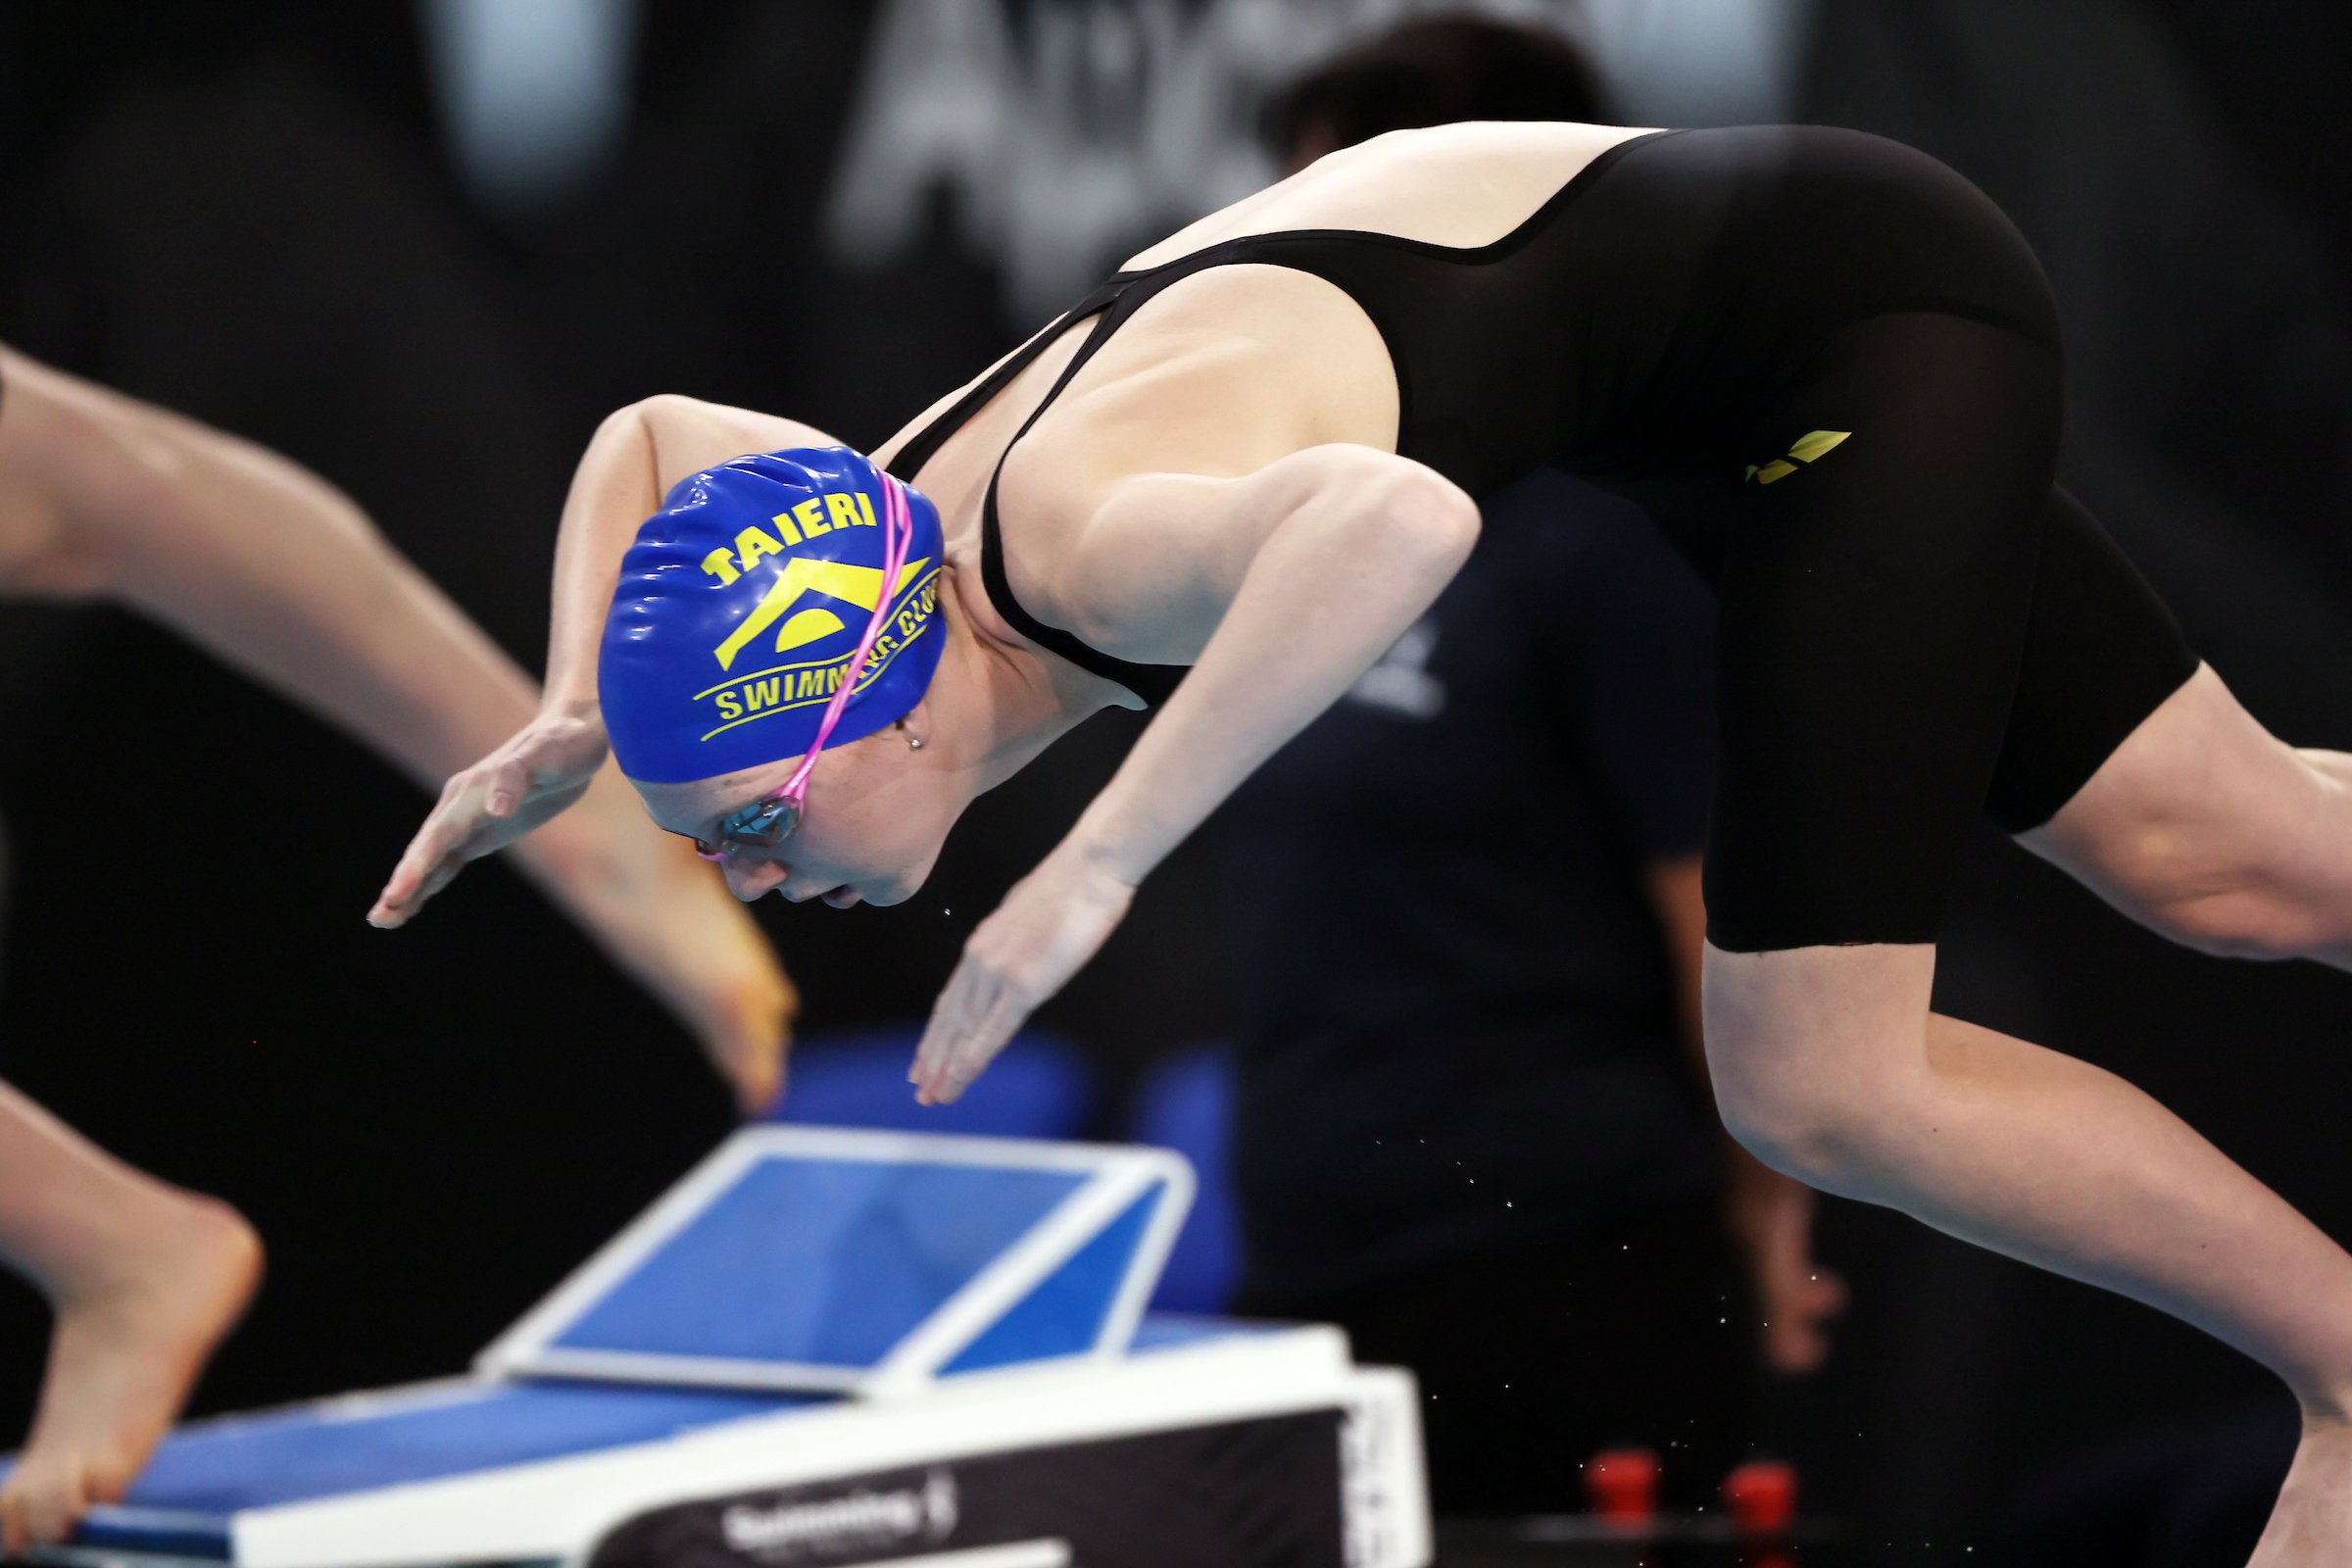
(832, 1260)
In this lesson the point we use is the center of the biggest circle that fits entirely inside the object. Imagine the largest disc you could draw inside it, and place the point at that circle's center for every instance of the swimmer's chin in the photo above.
(885, 895)
(845, 897)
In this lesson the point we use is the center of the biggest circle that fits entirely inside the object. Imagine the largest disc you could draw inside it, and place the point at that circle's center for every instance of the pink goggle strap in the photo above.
(898, 538)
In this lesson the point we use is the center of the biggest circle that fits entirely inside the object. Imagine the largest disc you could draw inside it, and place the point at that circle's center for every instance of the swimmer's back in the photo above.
(1461, 185)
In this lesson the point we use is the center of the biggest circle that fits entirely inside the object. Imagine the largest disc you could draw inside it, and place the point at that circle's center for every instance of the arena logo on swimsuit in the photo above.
(781, 688)
(1810, 448)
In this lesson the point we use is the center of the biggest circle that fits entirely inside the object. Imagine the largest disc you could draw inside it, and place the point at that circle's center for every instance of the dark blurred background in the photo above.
(423, 247)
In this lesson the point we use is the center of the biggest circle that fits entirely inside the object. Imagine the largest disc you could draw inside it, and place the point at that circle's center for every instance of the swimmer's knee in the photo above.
(1817, 1055)
(2211, 832)
(114, 477)
(2189, 889)
(656, 409)
(101, 453)
(654, 417)
(1812, 1116)
(2239, 923)
(1812, 1132)
(55, 452)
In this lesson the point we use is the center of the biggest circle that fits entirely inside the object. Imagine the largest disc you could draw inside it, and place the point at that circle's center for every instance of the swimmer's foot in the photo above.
(123, 1354)
(2312, 1525)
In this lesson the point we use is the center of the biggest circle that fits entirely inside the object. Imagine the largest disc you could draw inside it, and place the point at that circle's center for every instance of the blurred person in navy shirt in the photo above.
(1472, 1123)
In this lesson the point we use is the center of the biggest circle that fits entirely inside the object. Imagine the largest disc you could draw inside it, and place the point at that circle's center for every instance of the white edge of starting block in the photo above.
(1384, 1477)
(1118, 1175)
(548, 1509)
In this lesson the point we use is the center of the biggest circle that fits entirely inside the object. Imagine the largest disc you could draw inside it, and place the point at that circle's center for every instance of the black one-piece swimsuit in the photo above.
(1828, 368)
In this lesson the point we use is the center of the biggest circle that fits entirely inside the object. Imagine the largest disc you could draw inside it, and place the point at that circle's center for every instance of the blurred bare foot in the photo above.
(123, 1354)
(668, 920)
(2312, 1525)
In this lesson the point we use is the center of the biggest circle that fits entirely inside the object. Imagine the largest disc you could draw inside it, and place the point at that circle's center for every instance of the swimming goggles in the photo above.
(769, 820)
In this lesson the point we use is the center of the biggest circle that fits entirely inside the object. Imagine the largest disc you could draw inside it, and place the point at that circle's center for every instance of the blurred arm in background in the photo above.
(271, 569)
(1770, 1215)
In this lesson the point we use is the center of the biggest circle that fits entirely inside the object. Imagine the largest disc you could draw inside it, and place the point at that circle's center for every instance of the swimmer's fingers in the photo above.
(976, 1017)
(436, 856)
(455, 834)
(1054, 921)
(541, 771)
(952, 1019)
(423, 886)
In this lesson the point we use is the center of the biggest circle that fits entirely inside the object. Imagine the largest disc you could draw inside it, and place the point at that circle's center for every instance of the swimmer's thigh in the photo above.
(2102, 653)
(1875, 599)
(2136, 769)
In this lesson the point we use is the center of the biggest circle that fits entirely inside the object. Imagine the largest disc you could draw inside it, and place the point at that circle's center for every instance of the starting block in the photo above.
(826, 1347)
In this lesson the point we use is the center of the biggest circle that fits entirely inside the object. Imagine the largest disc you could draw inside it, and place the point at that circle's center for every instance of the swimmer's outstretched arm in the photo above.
(543, 766)
(1287, 583)
(268, 568)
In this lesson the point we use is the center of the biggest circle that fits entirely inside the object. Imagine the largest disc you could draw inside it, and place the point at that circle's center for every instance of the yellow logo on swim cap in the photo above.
(857, 585)
(780, 688)
(798, 525)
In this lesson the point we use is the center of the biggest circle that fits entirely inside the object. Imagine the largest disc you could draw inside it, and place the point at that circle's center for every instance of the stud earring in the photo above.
(914, 743)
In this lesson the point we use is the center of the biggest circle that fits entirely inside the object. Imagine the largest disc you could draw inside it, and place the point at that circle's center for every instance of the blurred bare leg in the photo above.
(7, 880)
(273, 570)
(145, 1280)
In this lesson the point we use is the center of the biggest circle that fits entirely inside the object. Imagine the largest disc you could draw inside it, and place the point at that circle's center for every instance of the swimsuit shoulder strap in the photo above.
(1152, 682)
(925, 443)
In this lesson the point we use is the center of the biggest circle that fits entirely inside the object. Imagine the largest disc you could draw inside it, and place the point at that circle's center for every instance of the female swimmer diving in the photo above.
(1225, 482)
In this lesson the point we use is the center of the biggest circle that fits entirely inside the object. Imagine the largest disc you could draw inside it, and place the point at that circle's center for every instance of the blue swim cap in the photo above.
(740, 606)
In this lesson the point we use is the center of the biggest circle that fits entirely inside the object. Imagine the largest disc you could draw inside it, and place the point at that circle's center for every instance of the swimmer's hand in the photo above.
(542, 768)
(1053, 921)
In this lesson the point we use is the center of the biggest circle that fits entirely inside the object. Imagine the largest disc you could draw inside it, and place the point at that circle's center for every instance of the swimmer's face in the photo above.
(875, 821)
